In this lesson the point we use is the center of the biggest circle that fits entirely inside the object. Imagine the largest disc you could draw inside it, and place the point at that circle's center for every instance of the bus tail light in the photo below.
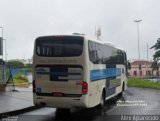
(34, 86)
(84, 87)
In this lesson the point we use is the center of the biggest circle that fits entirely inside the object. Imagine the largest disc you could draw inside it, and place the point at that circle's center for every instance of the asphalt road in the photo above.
(137, 104)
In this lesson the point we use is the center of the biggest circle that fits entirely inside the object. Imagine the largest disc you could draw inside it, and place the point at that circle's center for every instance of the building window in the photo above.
(149, 73)
(140, 73)
(135, 73)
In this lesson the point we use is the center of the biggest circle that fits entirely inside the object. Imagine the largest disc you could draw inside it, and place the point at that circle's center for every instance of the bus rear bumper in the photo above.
(60, 102)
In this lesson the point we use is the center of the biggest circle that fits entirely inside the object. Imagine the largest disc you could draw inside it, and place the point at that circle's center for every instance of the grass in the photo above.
(137, 82)
(19, 79)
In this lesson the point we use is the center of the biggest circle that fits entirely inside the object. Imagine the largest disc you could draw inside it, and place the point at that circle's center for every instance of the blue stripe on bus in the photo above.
(104, 73)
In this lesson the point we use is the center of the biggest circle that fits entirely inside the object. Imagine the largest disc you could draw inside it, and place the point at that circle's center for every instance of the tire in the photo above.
(102, 102)
(120, 95)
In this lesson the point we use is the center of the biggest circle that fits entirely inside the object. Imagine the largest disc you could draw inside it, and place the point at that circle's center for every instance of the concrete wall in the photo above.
(2, 87)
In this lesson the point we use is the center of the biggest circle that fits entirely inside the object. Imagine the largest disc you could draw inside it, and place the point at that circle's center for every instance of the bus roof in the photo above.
(88, 38)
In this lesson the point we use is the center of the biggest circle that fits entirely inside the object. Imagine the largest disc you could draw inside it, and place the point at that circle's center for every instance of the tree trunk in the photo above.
(157, 72)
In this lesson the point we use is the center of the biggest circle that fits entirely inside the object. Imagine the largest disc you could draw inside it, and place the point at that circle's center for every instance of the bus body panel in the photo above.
(65, 89)
(59, 80)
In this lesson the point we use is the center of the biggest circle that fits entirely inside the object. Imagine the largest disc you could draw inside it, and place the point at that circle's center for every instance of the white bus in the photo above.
(76, 71)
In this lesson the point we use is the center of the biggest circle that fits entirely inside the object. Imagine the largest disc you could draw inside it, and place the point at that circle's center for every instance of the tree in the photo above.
(15, 64)
(29, 65)
(2, 62)
(156, 56)
(155, 66)
(156, 47)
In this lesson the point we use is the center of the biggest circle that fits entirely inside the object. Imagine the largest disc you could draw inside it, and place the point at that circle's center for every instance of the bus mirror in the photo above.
(129, 65)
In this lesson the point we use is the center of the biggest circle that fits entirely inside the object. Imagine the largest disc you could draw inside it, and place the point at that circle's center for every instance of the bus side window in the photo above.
(92, 52)
(99, 48)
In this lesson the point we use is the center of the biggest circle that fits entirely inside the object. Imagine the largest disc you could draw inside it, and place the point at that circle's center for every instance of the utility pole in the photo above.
(3, 69)
(147, 51)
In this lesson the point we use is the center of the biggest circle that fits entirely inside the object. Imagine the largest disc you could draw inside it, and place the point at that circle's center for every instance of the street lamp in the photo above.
(2, 55)
(5, 50)
(5, 47)
(137, 21)
(2, 42)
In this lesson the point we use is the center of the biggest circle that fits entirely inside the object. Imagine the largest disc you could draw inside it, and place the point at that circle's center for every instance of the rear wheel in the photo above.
(102, 103)
(120, 95)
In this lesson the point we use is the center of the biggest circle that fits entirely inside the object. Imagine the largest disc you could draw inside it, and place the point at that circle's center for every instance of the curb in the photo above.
(17, 112)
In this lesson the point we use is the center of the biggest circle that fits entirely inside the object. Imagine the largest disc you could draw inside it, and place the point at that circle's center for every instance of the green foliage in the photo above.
(155, 66)
(156, 47)
(2, 62)
(29, 65)
(156, 56)
(15, 64)
(136, 82)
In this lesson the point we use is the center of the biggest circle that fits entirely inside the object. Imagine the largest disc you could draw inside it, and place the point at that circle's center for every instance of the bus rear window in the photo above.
(59, 46)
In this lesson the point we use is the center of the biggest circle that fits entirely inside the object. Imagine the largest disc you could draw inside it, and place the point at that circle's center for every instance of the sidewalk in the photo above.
(12, 101)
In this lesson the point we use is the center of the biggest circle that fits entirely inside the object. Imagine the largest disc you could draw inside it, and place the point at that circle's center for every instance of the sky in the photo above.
(24, 20)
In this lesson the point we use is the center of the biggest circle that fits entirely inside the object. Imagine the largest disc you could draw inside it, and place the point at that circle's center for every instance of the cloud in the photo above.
(25, 20)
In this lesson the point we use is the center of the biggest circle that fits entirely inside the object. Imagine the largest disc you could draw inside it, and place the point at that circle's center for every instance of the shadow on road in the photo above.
(91, 114)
